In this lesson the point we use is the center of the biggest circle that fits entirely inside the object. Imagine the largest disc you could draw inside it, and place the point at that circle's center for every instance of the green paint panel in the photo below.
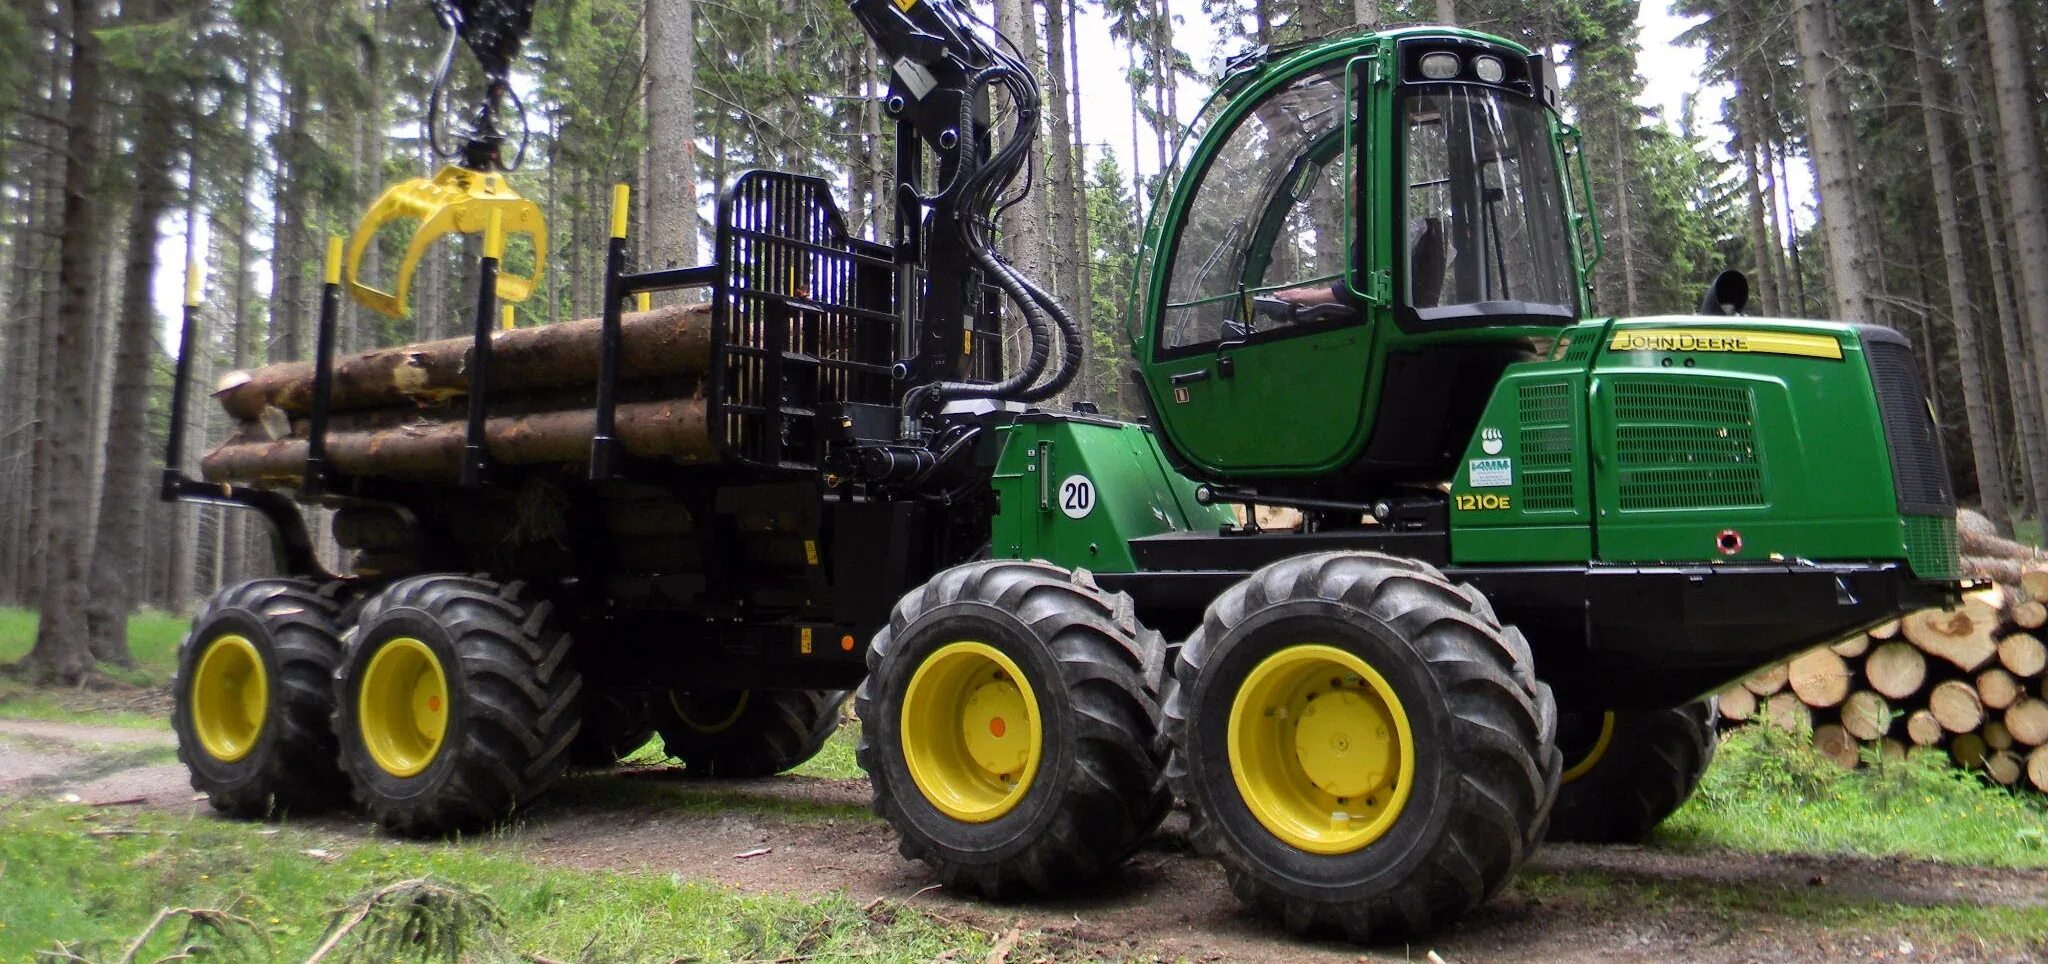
(1759, 437)
(1072, 490)
(1522, 492)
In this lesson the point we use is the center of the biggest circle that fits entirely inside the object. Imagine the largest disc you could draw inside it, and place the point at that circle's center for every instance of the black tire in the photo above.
(1098, 790)
(294, 627)
(513, 702)
(1485, 768)
(614, 725)
(741, 734)
(1649, 767)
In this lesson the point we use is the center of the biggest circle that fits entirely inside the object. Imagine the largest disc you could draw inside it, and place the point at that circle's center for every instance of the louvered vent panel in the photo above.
(1547, 440)
(1686, 445)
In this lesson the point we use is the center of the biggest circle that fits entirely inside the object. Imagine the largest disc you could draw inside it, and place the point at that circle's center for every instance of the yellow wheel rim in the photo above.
(402, 706)
(230, 698)
(970, 731)
(1599, 750)
(1320, 749)
(684, 703)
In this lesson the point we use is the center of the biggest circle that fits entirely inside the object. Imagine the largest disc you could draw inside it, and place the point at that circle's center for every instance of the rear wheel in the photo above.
(747, 733)
(456, 703)
(253, 693)
(1008, 726)
(1626, 771)
(1360, 744)
(614, 725)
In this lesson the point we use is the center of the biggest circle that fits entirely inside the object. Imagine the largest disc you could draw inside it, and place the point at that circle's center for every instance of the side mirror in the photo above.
(1728, 295)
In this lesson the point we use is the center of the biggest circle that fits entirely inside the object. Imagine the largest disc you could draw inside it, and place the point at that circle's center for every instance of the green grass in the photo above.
(153, 639)
(1769, 792)
(835, 760)
(59, 881)
(1983, 928)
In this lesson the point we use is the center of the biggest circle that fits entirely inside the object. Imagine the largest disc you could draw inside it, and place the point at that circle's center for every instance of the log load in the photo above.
(1969, 683)
(674, 430)
(667, 341)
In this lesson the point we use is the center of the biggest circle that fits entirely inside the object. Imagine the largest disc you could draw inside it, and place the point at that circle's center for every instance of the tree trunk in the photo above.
(1963, 314)
(1447, 12)
(1760, 236)
(1084, 245)
(2027, 197)
(1364, 13)
(1851, 263)
(124, 491)
(671, 185)
(1024, 234)
(1061, 180)
(61, 649)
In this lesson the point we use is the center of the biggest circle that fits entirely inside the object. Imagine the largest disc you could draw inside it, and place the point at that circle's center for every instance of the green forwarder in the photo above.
(1524, 540)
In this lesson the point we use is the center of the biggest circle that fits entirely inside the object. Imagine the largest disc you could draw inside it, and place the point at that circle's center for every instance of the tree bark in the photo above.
(406, 445)
(1447, 12)
(61, 651)
(1962, 314)
(1061, 176)
(1025, 236)
(672, 132)
(2020, 159)
(124, 493)
(666, 341)
(1851, 262)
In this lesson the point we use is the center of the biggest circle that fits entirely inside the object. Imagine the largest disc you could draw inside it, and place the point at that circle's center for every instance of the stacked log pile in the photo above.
(402, 411)
(1971, 682)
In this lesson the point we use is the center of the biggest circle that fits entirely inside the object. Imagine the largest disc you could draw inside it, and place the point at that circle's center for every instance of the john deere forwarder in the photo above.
(1530, 539)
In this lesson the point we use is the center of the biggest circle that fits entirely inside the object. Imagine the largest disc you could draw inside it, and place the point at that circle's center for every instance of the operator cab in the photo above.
(1359, 236)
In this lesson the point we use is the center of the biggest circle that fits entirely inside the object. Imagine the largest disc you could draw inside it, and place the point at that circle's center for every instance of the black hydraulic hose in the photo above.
(975, 191)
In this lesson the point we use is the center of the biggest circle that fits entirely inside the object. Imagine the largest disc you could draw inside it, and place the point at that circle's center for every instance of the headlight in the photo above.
(1440, 66)
(1490, 69)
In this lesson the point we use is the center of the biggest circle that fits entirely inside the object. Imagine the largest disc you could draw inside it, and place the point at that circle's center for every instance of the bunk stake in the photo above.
(323, 372)
(603, 443)
(476, 453)
(188, 334)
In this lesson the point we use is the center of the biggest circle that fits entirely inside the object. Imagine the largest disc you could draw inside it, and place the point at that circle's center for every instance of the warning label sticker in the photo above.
(1491, 473)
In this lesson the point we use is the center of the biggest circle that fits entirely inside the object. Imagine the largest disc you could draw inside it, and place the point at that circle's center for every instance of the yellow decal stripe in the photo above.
(1726, 340)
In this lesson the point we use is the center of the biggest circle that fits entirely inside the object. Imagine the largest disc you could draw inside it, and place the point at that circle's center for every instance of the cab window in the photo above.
(1268, 214)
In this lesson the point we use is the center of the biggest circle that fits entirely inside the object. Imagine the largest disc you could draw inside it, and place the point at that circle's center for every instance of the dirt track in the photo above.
(1572, 903)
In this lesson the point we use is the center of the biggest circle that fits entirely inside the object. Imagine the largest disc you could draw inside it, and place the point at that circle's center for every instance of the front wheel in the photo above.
(1361, 744)
(1008, 725)
(1627, 770)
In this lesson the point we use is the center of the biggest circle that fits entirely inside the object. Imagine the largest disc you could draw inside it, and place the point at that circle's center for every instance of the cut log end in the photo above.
(1866, 715)
(1896, 669)
(1786, 712)
(1835, 743)
(1997, 688)
(1922, 728)
(2037, 768)
(1737, 703)
(2027, 721)
(1768, 680)
(1820, 677)
(1955, 704)
(1962, 636)
(2023, 654)
(1968, 750)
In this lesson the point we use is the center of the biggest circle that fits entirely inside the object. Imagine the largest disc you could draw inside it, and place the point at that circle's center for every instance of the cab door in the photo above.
(1261, 348)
